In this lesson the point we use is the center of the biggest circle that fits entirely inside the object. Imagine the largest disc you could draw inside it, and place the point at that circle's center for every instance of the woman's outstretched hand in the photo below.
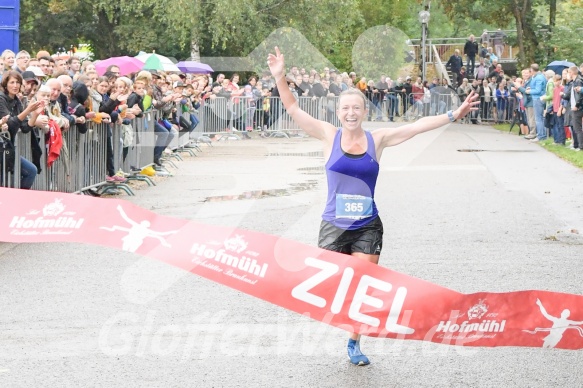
(276, 64)
(470, 104)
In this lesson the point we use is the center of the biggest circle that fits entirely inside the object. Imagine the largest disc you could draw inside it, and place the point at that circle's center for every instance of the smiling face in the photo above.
(55, 86)
(9, 59)
(351, 111)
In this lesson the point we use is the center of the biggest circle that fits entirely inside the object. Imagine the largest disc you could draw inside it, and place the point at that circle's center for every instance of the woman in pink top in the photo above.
(558, 129)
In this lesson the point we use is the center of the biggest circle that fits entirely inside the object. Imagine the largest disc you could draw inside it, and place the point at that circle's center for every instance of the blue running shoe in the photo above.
(355, 355)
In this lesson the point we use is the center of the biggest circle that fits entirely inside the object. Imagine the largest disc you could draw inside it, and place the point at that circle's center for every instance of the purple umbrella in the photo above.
(126, 65)
(194, 67)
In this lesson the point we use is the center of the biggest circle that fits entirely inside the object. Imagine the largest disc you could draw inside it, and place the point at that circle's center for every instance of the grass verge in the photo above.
(566, 153)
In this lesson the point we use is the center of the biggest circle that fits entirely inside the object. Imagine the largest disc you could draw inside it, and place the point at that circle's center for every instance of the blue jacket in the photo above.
(527, 97)
(538, 86)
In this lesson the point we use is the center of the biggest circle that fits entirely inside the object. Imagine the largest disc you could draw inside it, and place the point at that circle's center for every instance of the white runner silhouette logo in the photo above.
(560, 325)
(137, 233)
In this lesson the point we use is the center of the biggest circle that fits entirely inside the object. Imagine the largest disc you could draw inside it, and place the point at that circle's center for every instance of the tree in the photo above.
(502, 12)
(46, 25)
(566, 39)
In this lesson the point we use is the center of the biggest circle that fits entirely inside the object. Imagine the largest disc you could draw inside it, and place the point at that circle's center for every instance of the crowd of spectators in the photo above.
(48, 96)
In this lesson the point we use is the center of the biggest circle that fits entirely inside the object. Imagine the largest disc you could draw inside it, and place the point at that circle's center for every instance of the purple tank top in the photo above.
(351, 185)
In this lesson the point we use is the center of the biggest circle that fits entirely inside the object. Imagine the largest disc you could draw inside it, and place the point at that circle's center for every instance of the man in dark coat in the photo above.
(470, 50)
(455, 64)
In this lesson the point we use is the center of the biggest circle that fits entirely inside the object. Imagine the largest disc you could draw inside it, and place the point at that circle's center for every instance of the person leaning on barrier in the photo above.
(393, 100)
(417, 94)
(42, 127)
(79, 96)
(96, 98)
(13, 119)
(478, 89)
(164, 104)
(30, 87)
(502, 97)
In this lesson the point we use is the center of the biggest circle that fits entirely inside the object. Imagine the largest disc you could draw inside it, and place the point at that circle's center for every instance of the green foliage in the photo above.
(45, 27)
(566, 40)
(338, 29)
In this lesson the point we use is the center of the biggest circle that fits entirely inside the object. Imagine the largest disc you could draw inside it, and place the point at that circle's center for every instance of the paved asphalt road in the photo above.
(507, 218)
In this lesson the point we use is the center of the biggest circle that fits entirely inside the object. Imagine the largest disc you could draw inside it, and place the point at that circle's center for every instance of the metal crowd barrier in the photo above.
(82, 163)
(223, 116)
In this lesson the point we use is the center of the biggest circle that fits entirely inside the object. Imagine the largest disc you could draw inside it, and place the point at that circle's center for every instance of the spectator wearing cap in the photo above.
(30, 86)
(22, 59)
(38, 73)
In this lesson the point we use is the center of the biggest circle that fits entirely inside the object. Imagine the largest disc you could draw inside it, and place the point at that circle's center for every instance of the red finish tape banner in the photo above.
(337, 289)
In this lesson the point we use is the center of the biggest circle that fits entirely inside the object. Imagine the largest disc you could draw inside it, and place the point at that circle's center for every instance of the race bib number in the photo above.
(355, 207)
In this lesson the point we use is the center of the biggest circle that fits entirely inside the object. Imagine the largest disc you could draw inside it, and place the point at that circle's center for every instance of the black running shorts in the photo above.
(367, 239)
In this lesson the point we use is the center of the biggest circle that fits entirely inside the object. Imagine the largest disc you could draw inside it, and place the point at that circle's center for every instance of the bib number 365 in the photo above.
(355, 207)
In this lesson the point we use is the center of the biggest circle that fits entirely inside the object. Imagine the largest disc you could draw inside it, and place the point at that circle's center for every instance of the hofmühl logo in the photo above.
(53, 217)
(236, 244)
(474, 322)
(225, 256)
